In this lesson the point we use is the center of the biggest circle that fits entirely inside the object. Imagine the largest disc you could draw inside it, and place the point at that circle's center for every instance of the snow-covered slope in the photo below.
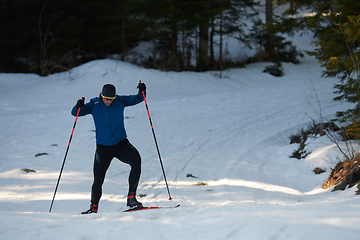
(231, 133)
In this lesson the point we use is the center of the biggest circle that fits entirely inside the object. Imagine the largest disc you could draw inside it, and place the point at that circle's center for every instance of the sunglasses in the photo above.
(109, 98)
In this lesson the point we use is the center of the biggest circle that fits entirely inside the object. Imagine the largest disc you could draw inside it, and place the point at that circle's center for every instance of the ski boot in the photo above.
(132, 202)
(93, 209)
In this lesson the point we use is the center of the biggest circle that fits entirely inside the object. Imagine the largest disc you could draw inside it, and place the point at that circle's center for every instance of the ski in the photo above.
(148, 208)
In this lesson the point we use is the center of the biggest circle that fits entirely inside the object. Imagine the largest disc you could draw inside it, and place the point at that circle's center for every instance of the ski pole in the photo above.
(157, 147)
(62, 167)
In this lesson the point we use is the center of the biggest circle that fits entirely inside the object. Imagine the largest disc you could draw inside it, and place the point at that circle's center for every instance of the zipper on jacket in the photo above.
(111, 137)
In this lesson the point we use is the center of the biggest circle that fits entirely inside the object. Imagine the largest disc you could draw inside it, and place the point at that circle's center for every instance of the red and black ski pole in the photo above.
(157, 147)
(67, 150)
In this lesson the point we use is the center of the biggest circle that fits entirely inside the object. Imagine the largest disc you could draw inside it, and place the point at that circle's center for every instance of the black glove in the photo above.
(80, 103)
(141, 87)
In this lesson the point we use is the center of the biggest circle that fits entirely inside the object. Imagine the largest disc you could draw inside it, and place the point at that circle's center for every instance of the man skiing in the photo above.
(111, 140)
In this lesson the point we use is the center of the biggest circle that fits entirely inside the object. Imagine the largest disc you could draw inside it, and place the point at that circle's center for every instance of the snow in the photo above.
(231, 133)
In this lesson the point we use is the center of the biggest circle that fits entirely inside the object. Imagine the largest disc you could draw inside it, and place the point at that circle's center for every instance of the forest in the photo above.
(47, 36)
(44, 36)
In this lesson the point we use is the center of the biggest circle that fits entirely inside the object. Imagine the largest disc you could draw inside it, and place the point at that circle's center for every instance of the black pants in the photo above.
(123, 151)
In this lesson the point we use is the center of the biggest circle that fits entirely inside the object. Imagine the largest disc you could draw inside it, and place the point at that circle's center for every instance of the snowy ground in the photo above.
(231, 133)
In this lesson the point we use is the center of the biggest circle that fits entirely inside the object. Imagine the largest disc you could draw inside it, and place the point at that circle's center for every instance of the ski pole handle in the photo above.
(147, 107)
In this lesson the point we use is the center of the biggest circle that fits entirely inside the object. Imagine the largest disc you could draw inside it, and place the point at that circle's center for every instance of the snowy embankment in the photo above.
(232, 134)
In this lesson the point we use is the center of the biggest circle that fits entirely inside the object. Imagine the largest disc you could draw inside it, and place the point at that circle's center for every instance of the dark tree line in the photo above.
(46, 36)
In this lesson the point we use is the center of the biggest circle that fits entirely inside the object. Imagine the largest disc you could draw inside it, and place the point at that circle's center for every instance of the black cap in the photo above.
(108, 90)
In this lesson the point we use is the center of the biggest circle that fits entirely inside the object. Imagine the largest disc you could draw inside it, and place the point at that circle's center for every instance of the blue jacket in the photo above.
(109, 121)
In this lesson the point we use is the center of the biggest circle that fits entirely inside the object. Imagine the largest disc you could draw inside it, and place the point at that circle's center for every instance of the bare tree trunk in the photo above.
(154, 47)
(270, 45)
(45, 37)
(174, 53)
(123, 37)
(123, 44)
(42, 57)
(212, 60)
(203, 62)
(221, 42)
(182, 54)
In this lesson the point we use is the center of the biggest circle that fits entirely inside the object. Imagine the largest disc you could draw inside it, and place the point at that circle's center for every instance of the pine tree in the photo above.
(342, 60)
(336, 25)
